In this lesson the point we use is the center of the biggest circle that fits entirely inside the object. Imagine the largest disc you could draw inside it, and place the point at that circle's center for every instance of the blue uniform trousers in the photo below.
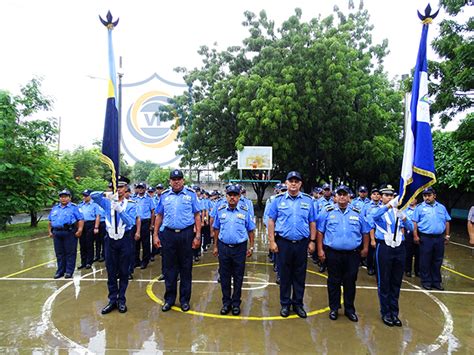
(413, 251)
(117, 261)
(177, 254)
(206, 235)
(86, 243)
(292, 260)
(431, 258)
(143, 243)
(231, 270)
(343, 266)
(65, 248)
(390, 266)
(133, 244)
(99, 241)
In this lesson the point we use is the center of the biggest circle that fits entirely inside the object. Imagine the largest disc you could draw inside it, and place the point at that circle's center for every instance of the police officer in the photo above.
(412, 249)
(360, 201)
(389, 223)
(91, 212)
(341, 229)
(178, 210)
(248, 202)
(367, 210)
(292, 234)
(120, 214)
(156, 199)
(65, 226)
(146, 212)
(99, 238)
(234, 230)
(431, 231)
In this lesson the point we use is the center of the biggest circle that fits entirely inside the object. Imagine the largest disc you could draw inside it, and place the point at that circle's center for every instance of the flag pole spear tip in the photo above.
(427, 18)
(109, 23)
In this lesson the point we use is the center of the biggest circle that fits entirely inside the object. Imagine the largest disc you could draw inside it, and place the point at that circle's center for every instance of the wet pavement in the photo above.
(40, 314)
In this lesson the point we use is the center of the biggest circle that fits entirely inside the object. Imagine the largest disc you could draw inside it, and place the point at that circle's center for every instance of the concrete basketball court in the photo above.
(41, 315)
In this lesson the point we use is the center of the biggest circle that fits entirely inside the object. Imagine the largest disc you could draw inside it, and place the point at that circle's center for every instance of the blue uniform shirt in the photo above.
(268, 203)
(234, 224)
(342, 231)
(89, 210)
(360, 203)
(249, 204)
(61, 215)
(145, 206)
(128, 217)
(292, 215)
(431, 219)
(178, 209)
(378, 218)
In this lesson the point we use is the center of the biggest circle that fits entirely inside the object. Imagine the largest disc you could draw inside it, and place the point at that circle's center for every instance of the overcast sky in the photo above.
(64, 43)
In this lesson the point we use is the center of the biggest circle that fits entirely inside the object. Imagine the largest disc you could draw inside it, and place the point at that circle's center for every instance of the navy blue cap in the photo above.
(159, 186)
(375, 189)
(214, 193)
(141, 185)
(283, 187)
(151, 189)
(176, 174)
(363, 188)
(122, 181)
(387, 189)
(86, 192)
(326, 186)
(65, 192)
(294, 175)
(429, 190)
(196, 188)
(232, 189)
(343, 188)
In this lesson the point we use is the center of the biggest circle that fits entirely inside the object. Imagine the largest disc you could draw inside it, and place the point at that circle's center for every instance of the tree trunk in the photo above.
(33, 219)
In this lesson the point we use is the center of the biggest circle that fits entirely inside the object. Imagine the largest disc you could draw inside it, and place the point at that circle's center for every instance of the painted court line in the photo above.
(24, 241)
(28, 269)
(462, 245)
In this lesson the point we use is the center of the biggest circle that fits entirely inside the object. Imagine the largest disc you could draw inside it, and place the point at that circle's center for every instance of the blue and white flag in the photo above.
(418, 170)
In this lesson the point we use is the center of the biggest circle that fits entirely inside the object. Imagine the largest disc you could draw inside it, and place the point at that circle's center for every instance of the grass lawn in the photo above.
(24, 230)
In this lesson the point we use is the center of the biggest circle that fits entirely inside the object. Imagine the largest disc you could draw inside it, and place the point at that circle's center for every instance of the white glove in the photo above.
(117, 206)
(394, 202)
(401, 215)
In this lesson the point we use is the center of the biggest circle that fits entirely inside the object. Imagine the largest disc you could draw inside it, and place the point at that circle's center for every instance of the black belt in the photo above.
(341, 251)
(232, 245)
(179, 230)
(278, 236)
(430, 235)
(62, 229)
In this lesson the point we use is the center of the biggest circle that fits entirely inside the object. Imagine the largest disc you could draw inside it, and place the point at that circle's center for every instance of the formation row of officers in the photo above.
(338, 231)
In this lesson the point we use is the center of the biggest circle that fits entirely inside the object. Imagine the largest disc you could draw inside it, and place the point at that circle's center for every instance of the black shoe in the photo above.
(109, 308)
(352, 317)
(322, 268)
(88, 266)
(274, 268)
(130, 277)
(197, 258)
(58, 275)
(81, 267)
(122, 308)
(101, 259)
(152, 258)
(225, 310)
(396, 321)
(438, 287)
(161, 277)
(95, 259)
(219, 279)
(299, 310)
(143, 266)
(67, 276)
(417, 274)
(185, 307)
(333, 315)
(277, 281)
(387, 320)
(408, 274)
(315, 261)
(370, 272)
(426, 287)
(235, 310)
(285, 311)
(166, 307)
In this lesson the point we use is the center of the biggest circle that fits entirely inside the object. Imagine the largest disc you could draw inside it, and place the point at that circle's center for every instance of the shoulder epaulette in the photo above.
(221, 207)
(167, 190)
(329, 208)
(280, 193)
(132, 201)
(72, 203)
(355, 209)
(305, 194)
(244, 207)
(190, 189)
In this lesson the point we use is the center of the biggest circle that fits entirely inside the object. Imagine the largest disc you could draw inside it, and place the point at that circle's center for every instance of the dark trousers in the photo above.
(86, 243)
(65, 248)
(133, 246)
(99, 241)
(206, 235)
(177, 256)
(144, 244)
(390, 266)
(431, 259)
(231, 271)
(117, 262)
(412, 251)
(370, 260)
(292, 262)
(343, 267)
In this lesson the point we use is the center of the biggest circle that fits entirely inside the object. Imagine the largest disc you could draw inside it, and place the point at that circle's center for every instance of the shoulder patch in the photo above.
(244, 207)
(221, 207)
(132, 201)
(355, 209)
(329, 208)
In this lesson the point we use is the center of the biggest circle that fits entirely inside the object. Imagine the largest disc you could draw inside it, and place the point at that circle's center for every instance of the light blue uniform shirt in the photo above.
(249, 204)
(431, 219)
(292, 215)
(89, 210)
(61, 215)
(323, 203)
(234, 224)
(128, 217)
(342, 230)
(145, 206)
(378, 218)
(178, 209)
(268, 203)
(360, 203)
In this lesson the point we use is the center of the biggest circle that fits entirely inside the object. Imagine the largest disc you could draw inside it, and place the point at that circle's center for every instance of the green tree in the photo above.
(315, 91)
(30, 173)
(142, 169)
(453, 87)
(158, 175)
